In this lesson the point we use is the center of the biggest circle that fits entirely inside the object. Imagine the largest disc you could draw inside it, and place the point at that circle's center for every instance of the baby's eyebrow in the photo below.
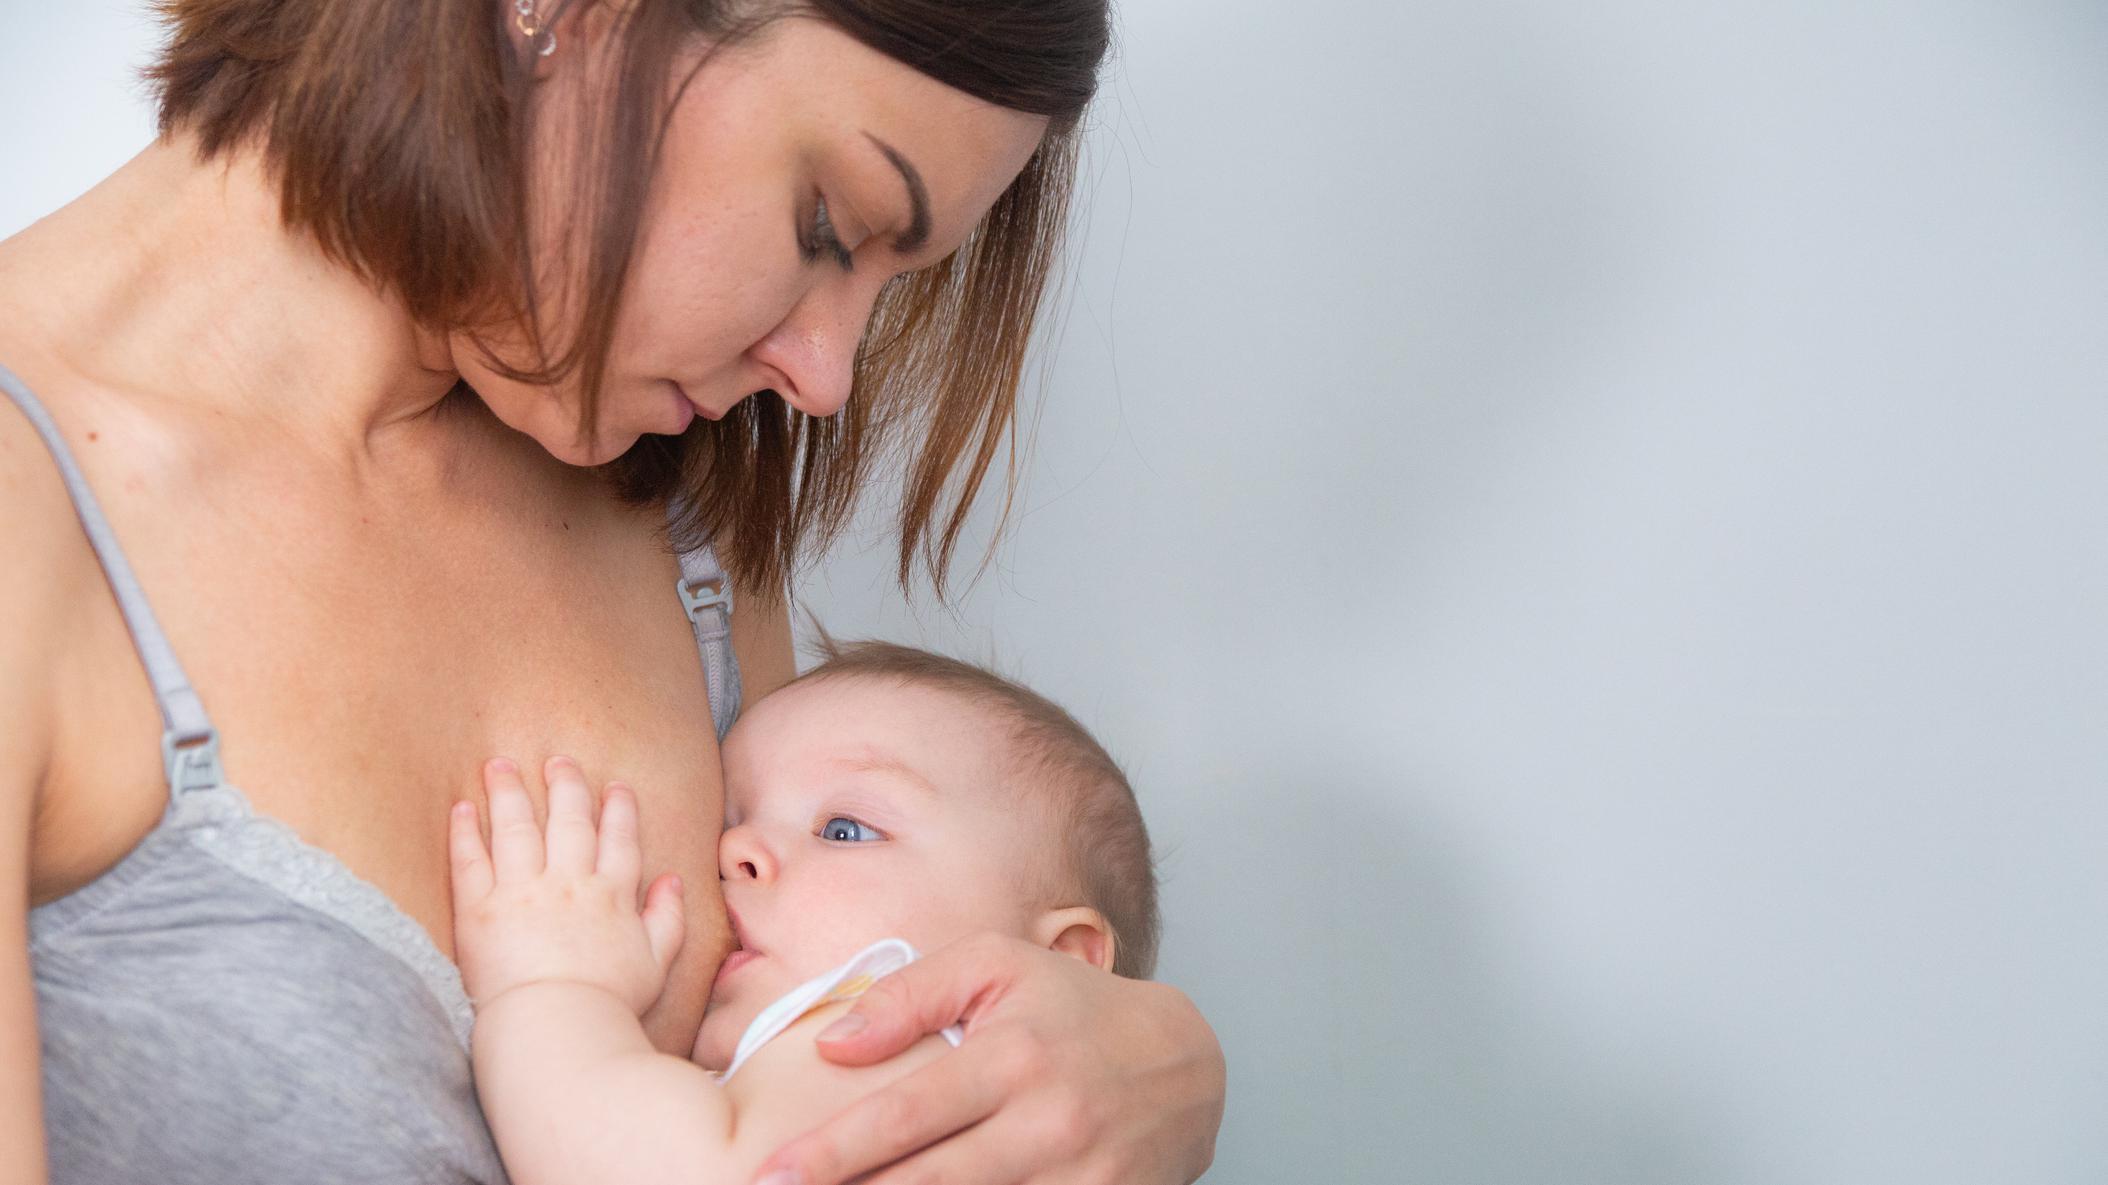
(883, 763)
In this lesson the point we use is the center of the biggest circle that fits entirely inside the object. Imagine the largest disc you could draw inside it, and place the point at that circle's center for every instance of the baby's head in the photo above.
(893, 793)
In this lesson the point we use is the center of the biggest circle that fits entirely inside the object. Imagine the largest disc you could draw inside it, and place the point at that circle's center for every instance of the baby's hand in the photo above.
(526, 911)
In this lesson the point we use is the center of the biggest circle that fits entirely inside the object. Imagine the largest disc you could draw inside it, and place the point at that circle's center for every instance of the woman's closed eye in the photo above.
(843, 829)
(821, 238)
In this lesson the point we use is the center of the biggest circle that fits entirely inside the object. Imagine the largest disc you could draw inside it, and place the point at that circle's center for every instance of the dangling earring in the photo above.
(529, 22)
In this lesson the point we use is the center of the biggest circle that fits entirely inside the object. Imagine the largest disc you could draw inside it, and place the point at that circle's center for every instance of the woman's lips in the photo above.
(684, 413)
(696, 405)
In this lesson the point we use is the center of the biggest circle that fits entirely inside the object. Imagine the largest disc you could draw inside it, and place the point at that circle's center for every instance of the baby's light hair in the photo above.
(1105, 843)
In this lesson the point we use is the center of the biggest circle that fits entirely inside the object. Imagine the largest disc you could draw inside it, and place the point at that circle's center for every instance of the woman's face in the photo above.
(801, 171)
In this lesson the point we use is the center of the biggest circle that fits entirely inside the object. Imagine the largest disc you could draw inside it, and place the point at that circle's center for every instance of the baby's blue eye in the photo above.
(842, 829)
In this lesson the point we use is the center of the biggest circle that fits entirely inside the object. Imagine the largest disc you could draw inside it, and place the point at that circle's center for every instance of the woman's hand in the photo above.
(562, 906)
(1068, 1075)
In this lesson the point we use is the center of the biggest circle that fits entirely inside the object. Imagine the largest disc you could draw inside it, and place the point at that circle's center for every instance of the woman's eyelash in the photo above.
(821, 237)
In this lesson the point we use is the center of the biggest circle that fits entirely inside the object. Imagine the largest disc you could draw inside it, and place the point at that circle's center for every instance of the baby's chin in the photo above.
(718, 1039)
(735, 1002)
(729, 1013)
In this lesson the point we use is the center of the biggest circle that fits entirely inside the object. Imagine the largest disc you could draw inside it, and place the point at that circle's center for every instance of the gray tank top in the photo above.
(229, 1004)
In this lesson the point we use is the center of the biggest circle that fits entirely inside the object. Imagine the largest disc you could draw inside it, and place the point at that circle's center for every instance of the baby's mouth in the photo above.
(741, 955)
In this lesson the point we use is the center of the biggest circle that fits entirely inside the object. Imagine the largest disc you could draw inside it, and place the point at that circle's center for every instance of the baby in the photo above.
(887, 801)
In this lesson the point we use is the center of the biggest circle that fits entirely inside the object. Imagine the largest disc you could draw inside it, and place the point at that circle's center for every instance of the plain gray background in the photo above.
(1586, 524)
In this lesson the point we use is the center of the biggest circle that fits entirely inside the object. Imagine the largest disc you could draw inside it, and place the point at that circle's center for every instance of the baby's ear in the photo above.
(1079, 932)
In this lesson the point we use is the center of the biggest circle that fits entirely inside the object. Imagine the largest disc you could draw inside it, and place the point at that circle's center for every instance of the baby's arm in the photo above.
(786, 1089)
(576, 1095)
(560, 963)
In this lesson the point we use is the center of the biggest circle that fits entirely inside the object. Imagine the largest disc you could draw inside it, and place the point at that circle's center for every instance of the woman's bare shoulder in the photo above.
(49, 563)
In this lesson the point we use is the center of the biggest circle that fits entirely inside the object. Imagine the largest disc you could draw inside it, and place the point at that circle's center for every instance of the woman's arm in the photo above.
(1068, 1074)
(21, 1110)
(34, 514)
(761, 638)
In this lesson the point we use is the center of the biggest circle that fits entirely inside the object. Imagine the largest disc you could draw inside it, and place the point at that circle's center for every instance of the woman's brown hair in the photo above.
(398, 131)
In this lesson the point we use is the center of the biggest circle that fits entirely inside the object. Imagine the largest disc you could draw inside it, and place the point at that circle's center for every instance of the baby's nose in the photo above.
(741, 855)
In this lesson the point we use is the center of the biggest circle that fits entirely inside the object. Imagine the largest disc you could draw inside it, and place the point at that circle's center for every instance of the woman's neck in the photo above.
(173, 286)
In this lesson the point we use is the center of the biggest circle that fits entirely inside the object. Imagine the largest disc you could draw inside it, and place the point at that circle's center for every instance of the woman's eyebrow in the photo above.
(910, 240)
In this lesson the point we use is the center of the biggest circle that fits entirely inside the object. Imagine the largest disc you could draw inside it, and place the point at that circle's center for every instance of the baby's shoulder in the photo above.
(786, 1088)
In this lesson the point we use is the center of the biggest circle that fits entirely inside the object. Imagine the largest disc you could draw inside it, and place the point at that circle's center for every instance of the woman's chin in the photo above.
(585, 453)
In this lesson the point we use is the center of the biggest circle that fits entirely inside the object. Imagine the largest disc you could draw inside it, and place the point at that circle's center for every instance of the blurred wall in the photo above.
(1589, 527)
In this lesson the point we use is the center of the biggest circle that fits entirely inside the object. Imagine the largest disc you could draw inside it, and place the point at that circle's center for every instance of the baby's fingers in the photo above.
(515, 838)
(619, 861)
(663, 924)
(470, 863)
(571, 840)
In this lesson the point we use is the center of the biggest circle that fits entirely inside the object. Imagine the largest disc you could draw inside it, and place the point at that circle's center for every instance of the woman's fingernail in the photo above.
(503, 765)
(782, 1177)
(841, 1030)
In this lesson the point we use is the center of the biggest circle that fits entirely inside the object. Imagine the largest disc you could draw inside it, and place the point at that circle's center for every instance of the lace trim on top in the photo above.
(222, 822)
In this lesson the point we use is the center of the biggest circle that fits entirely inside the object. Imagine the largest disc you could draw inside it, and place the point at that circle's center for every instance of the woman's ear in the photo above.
(1079, 932)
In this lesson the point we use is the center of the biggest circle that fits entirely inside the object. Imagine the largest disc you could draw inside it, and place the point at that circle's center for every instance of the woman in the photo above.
(389, 364)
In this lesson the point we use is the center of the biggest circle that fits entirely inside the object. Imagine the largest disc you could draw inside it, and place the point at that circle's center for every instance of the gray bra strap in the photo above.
(190, 749)
(706, 593)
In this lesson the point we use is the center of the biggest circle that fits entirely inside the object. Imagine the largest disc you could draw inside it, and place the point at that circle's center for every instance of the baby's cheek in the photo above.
(992, 910)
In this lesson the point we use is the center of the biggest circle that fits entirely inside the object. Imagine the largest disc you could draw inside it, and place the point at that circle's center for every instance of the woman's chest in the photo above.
(360, 668)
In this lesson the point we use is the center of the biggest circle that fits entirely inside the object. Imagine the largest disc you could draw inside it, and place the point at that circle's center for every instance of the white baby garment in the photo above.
(846, 982)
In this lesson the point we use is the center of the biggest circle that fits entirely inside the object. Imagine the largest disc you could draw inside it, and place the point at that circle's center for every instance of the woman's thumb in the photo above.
(919, 999)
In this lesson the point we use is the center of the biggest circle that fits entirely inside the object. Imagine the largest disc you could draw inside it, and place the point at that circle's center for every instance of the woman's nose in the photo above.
(814, 347)
(742, 855)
